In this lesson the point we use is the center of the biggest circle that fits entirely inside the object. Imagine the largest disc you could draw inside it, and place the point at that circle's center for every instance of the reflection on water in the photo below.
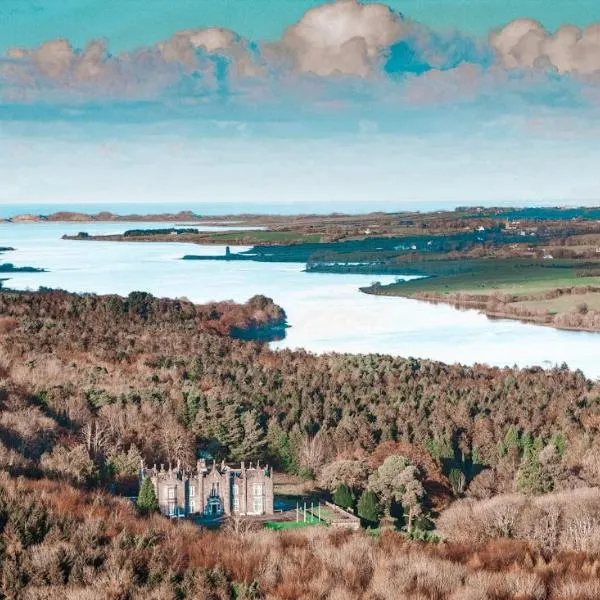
(325, 312)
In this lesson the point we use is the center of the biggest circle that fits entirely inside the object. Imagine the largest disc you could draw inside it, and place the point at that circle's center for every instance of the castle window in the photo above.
(171, 493)
(258, 505)
(236, 490)
(192, 490)
(236, 503)
(192, 506)
(258, 489)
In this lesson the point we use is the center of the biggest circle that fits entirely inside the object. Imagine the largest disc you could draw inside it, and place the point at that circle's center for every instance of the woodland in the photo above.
(471, 482)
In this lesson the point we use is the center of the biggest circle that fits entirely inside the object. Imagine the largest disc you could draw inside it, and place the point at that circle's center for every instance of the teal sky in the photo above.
(436, 115)
(131, 23)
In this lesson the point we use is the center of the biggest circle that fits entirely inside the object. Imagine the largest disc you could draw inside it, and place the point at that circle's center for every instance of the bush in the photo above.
(343, 496)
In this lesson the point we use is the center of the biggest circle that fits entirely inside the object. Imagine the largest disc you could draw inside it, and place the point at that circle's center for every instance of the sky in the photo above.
(270, 101)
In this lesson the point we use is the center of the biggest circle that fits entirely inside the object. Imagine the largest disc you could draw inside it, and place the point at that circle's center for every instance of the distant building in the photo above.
(212, 492)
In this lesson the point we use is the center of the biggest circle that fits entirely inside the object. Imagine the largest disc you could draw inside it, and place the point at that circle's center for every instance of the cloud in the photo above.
(341, 38)
(338, 54)
(525, 44)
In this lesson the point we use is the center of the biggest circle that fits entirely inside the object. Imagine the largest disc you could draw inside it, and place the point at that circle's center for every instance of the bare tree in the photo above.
(312, 451)
(95, 438)
(239, 525)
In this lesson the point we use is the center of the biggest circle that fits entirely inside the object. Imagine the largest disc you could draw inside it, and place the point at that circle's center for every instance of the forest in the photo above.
(469, 478)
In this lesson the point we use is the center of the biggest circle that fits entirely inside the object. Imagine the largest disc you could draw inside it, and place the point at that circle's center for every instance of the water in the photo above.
(326, 312)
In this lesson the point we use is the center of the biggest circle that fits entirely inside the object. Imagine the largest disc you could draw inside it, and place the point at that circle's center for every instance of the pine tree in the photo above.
(369, 508)
(343, 496)
(229, 431)
(531, 478)
(147, 501)
(193, 403)
(278, 447)
(254, 442)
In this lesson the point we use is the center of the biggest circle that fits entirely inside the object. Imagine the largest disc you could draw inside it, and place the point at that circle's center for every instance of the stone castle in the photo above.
(212, 491)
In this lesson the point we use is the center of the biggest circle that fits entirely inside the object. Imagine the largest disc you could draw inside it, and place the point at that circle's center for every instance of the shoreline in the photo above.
(543, 320)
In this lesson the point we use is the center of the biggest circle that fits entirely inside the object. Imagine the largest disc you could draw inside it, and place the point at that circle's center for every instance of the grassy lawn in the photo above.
(279, 525)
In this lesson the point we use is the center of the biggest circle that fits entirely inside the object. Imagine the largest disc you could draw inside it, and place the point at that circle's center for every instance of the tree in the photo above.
(457, 481)
(229, 431)
(343, 496)
(311, 451)
(397, 480)
(254, 442)
(72, 464)
(279, 448)
(352, 473)
(147, 501)
(126, 463)
(369, 508)
(531, 477)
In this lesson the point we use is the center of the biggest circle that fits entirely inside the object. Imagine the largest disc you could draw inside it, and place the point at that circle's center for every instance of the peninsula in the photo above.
(539, 265)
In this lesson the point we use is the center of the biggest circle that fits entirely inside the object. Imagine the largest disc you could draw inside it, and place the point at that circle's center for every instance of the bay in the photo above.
(326, 312)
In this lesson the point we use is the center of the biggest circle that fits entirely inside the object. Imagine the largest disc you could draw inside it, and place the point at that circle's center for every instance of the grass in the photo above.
(519, 277)
(564, 303)
(258, 237)
(548, 292)
(279, 525)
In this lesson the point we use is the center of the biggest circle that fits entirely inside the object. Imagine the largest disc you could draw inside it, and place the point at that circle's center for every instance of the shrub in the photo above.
(369, 508)
(147, 501)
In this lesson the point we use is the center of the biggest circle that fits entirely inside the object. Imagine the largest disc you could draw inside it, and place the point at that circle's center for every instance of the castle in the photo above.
(212, 492)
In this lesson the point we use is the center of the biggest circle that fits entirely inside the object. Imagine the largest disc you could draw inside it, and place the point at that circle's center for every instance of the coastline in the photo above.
(481, 306)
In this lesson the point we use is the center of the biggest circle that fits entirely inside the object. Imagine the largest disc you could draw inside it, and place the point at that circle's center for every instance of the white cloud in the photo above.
(570, 50)
(343, 37)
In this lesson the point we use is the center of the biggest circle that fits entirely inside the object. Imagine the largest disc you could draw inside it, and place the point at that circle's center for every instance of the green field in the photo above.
(512, 276)
(258, 237)
(279, 525)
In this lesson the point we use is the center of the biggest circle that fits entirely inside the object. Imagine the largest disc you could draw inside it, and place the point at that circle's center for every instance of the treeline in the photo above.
(101, 320)
(169, 231)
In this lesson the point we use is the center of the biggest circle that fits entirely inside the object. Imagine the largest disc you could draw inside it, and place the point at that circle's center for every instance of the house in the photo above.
(212, 492)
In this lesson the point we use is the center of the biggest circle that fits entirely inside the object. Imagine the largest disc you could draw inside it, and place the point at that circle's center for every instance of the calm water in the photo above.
(326, 312)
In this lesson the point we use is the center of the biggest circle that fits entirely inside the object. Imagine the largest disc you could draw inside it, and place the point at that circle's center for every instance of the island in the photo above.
(11, 268)
(102, 217)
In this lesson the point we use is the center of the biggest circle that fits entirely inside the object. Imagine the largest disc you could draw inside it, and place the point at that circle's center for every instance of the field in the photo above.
(261, 237)
(559, 293)
(520, 277)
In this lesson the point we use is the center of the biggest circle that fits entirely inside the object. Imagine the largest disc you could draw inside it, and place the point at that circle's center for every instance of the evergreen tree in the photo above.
(147, 501)
(193, 403)
(254, 442)
(229, 431)
(343, 496)
(279, 448)
(369, 508)
(531, 477)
